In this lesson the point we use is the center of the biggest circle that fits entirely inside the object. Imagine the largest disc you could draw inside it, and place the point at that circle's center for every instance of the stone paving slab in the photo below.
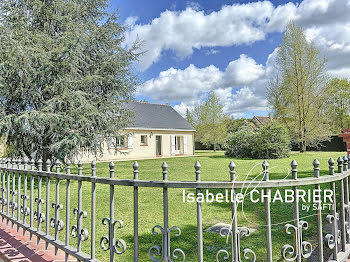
(19, 246)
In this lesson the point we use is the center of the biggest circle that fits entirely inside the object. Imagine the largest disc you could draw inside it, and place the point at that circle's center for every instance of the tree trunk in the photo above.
(214, 147)
(302, 145)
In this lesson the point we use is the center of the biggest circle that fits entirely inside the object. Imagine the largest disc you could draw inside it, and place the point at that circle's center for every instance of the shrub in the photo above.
(270, 141)
(238, 144)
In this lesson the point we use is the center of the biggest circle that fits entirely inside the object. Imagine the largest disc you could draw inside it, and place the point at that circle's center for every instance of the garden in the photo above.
(214, 167)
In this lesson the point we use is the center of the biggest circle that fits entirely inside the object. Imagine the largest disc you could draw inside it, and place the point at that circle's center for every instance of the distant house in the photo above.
(259, 121)
(157, 131)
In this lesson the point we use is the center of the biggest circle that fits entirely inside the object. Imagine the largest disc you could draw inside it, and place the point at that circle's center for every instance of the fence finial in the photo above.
(316, 164)
(232, 167)
(68, 163)
(165, 170)
(331, 163)
(294, 166)
(345, 163)
(136, 170)
(32, 163)
(24, 162)
(340, 165)
(265, 165)
(80, 168)
(58, 165)
(48, 165)
(197, 166)
(40, 164)
(111, 169)
(18, 162)
(93, 168)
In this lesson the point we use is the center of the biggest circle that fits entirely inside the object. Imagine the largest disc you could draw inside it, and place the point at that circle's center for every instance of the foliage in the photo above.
(297, 93)
(338, 92)
(63, 70)
(272, 140)
(233, 125)
(189, 117)
(239, 143)
(209, 120)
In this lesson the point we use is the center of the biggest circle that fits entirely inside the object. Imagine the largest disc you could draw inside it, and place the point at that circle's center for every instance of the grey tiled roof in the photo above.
(153, 116)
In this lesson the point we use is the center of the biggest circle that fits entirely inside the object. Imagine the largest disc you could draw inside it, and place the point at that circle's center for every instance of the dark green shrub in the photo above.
(238, 144)
(272, 140)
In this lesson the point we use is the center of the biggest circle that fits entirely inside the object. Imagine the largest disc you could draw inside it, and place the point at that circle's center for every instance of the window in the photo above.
(144, 140)
(177, 142)
(120, 141)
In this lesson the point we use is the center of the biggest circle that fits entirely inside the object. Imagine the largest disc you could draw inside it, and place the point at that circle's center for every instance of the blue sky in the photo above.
(228, 47)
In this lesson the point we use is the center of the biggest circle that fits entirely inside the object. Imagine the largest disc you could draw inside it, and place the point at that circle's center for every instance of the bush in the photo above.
(270, 141)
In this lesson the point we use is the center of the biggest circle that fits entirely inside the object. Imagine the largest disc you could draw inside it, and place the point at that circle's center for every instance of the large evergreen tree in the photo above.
(297, 93)
(63, 71)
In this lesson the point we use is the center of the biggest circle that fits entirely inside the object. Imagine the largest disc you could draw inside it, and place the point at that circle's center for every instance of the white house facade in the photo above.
(156, 131)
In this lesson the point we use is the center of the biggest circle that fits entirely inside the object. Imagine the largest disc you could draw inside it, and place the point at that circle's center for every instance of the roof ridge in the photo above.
(145, 102)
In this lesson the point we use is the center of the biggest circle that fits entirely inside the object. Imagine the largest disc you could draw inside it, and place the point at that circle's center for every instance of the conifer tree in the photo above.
(63, 71)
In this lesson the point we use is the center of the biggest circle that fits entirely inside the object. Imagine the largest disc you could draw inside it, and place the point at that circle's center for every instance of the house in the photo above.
(259, 121)
(156, 131)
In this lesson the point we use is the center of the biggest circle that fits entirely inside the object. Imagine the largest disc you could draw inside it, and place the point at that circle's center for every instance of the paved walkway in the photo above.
(16, 246)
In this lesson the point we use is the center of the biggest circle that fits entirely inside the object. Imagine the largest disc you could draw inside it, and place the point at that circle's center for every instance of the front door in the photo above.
(158, 145)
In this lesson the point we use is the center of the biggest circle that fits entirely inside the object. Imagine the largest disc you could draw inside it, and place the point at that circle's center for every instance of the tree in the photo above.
(297, 92)
(189, 117)
(209, 120)
(339, 103)
(63, 71)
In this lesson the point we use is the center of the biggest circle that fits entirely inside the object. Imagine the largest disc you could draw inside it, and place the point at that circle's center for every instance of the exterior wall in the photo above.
(139, 151)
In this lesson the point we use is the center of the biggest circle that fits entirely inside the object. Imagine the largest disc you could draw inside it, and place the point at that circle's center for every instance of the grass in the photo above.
(214, 168)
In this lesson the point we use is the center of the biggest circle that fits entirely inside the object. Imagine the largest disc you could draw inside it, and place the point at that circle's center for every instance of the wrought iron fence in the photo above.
(22, 208)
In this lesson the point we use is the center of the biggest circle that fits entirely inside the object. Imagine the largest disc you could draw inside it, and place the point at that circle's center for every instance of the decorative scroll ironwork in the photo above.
(301, 248)
(119, 246)
(12, 204)
(84, 233)
(178, 253)
(330, 238)
(24, 209)
(3, 201)
(247, 252)
(60, 224)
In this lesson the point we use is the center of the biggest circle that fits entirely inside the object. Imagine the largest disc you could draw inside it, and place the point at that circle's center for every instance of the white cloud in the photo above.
(182, 85)
(242, 85)
(327, 23)
(188, 29)
(243, 71)
(191, 85)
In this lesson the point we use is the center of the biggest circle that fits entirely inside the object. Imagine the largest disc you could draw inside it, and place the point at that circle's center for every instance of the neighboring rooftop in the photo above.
(261, 120)
(156, 116)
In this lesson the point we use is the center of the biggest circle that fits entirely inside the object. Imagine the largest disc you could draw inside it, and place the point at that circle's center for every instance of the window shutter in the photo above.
(130, 141)
(185, 144)
(172, 145)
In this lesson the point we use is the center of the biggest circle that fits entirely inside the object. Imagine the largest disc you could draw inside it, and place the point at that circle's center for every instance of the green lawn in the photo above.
(214, 168)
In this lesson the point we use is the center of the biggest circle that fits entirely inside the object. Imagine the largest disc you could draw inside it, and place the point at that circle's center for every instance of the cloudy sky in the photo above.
(226, 46)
